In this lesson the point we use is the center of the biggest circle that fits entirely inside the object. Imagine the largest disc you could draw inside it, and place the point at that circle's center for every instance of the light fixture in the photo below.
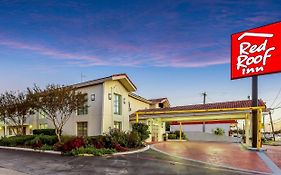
(124, 100)
(30, 126)
(93, 97)
(109, 96)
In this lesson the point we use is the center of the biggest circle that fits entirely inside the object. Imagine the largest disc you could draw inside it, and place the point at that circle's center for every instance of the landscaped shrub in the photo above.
(16, 140)
(218, 131)
(35, 143)
(50, 132)
(172, 136)
(119, 137)
(47, 147)
(134, 140)
(75, 143)
(176, 135)
(120, 148)
(96, 141)
(90, 150)
(40, 140)
(142, 129)
(58, 146)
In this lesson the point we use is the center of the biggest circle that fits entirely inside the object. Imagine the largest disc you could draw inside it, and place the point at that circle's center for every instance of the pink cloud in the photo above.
(161, 55)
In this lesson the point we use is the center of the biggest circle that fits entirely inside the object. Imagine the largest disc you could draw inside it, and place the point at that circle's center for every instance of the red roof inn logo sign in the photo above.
(256, 51)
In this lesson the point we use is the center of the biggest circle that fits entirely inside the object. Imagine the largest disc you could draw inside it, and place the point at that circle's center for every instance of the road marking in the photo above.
(269, 163)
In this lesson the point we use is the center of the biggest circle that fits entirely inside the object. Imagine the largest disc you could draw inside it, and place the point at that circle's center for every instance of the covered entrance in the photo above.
(223, 111)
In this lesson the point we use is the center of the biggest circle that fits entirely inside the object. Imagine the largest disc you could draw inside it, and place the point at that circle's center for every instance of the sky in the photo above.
(175, 49)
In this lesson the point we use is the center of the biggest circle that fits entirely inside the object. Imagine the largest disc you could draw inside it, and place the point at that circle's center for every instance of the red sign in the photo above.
(256, 51)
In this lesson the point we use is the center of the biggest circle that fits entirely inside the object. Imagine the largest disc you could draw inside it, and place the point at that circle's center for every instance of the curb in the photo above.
(31, 150)
(215, 165)
(132, 152)
(253, 149)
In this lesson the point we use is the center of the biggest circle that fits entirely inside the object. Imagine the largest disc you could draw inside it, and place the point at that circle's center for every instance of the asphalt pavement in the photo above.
(146, 163)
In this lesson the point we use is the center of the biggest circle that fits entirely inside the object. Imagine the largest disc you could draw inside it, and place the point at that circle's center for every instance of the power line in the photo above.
(276, 98)
(277, 106)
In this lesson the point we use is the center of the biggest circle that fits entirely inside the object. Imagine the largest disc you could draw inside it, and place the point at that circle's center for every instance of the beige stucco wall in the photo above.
(114, 87)
(94, 116)
(137, 105)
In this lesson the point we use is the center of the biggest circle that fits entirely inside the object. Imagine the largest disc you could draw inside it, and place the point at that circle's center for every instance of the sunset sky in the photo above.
(175, 49)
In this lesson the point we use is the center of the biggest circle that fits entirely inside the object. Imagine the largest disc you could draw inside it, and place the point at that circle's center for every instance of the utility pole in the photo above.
(272, 126)
(204, 102)
(204, 97)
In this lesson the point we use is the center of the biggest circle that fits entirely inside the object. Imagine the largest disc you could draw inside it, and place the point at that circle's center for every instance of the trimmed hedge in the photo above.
(90, 150)
(16, 140)
(49, 132)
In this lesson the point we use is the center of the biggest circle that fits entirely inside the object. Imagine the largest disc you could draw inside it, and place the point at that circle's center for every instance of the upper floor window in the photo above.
(117, 104)
(83, 110)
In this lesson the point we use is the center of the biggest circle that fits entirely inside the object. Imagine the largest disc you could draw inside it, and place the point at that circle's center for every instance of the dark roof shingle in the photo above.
(218, 105)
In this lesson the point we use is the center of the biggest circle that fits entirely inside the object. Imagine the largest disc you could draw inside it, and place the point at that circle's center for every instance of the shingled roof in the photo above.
(157, 100)
(218, 105)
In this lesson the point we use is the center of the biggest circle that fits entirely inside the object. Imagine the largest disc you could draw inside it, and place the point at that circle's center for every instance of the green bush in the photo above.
(142, 130)
(172, 136)
(119, 137)
(176, 135)
(16, 140)
(90, 150)
(134, 140)
(49, 132)
(58, 146)
(47, 147)
(218, 131)
(42, 140)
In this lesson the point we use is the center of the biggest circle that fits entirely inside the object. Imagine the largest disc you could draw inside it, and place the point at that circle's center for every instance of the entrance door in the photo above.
(154, 133)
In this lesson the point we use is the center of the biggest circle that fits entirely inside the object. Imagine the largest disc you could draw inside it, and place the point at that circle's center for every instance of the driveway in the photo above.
(146, 163)
(230, 155)
(274, 153)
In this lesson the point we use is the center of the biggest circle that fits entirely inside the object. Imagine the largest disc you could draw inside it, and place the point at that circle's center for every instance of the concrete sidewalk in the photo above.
(229, 155)
(4, 171)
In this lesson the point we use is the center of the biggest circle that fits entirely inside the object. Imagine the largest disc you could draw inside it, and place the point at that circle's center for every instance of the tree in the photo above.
(219, 131)
(142, 130)
(14, 110)
(56, 103)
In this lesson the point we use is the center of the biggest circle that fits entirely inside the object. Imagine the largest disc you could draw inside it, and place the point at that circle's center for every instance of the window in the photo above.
(117, 104)
(118, 125)
(161, 105)
(83, 110)
(43, 126)
(42, 115)
(11, 131)
(82, 128)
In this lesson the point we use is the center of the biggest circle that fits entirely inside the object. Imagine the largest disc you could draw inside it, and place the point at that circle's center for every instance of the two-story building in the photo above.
(110, 102)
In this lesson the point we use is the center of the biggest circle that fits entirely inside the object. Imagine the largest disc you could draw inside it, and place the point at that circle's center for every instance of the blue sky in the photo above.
(176, 49)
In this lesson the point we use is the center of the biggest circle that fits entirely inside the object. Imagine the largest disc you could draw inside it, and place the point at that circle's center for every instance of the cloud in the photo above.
(162, 55)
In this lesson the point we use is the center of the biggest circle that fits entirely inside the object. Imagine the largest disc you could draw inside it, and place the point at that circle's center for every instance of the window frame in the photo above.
(117, 104)
(82, 130)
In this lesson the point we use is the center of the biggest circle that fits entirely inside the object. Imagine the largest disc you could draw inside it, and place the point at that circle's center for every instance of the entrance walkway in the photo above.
(274, 153)
(222, 154)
